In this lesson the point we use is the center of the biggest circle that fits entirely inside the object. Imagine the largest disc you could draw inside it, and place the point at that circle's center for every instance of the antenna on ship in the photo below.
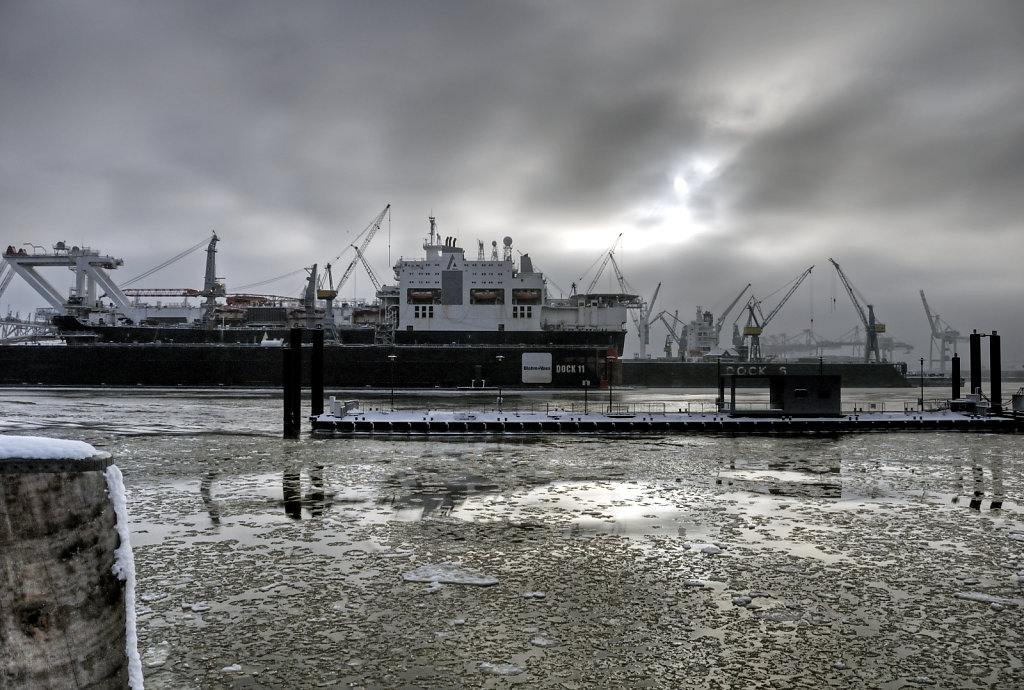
(433, 230)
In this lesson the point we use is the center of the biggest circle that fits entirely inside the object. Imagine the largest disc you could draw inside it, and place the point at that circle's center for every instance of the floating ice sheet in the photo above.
(447, 574)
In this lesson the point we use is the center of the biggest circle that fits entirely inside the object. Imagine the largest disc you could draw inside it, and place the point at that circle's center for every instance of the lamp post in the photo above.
(392, 357)
(586, 387)
(500, 358)
(609, 361)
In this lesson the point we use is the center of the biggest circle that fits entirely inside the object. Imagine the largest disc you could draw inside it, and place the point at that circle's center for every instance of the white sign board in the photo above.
(537, 367)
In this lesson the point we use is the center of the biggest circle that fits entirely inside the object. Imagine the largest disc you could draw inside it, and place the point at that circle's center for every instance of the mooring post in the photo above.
(995, 376)
(292, 376)
(316, 374)
(67, 579)
(975, 340)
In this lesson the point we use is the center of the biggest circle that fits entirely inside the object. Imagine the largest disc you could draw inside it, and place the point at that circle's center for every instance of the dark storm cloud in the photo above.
(888, 136)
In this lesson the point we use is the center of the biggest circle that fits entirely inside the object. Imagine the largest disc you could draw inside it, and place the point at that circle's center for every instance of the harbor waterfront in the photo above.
(880, 560)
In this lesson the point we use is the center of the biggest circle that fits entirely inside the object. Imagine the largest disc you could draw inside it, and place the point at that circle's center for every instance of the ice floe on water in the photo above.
(501, 669)
(447, 574)
(985, 598)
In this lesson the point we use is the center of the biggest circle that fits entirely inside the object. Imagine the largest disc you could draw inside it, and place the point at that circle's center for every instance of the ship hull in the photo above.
(344, 366)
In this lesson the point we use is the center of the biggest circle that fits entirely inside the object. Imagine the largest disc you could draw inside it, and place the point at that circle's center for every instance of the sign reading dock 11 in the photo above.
(536, 367)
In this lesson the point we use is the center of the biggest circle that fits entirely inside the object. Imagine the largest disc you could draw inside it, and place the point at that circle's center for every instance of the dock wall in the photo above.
(669, 374)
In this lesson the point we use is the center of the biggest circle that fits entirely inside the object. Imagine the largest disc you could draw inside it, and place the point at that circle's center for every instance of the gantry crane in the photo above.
(872, 327)
(756, 320)
(943, 338)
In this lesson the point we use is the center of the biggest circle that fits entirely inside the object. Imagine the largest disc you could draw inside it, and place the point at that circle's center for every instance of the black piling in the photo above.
(975, 362)
(316, 374)
(292, 378)
(995, 376)
(955, 376)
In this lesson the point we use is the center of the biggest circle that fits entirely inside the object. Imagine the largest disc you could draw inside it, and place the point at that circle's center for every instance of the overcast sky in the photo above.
(729, 142)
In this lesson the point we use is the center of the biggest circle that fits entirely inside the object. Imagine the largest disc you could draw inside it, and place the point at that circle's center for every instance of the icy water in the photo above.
(856, 561)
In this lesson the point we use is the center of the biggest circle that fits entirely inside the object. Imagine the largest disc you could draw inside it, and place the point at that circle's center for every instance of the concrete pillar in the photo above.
(62, 608)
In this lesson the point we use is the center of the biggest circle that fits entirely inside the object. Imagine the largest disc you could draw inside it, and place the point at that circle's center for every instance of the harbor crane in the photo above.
(641, 316)
(943, 338)
(368, 234)
(664, 317)
(721, 319)
(756, 320)
(872, 327)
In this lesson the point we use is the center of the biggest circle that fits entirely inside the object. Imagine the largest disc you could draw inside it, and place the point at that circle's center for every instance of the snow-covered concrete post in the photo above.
(67, 579)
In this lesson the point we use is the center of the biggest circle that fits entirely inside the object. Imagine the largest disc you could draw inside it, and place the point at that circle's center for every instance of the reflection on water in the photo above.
(315, 501)
(205, 487)
(975, 488)
(801, 477)
(418, 496)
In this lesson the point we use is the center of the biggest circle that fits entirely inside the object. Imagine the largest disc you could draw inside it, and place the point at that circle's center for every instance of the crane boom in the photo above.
(369, 232)
(870, 325)
(755, 326)
(725, 314)
(785, 299)
(850, 292)
(369, 271)
(933, 320)
(607, 256)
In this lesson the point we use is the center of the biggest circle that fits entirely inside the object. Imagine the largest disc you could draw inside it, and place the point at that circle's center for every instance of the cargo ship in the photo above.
(449, 320)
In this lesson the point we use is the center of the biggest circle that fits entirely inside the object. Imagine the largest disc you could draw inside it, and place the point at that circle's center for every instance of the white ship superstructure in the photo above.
(447, 293)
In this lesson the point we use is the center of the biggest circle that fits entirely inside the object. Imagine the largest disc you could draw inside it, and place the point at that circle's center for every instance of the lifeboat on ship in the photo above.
(485, 295)
(526, 295)
(421, 295)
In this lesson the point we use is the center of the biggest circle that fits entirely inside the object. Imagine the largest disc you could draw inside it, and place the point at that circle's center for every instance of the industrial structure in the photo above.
(942, 339)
